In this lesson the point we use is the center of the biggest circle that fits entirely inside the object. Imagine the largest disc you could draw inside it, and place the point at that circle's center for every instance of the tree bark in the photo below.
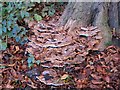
(104, 15)
(76, 12)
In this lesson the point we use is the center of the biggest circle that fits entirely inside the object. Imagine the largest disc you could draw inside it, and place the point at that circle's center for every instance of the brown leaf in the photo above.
(51, 77)
(8, 85)
(99, 69)
(95, 76)
(98, 37)
(83, 28)
(97, 30)
(92, 28)
(65, 76)
(32, 85)
(107, 79)
(112, 51)
(24, 67)
(93, 33)
(13, 72)
(94, 86)
(9, 65)
(96, 82)
(16, 49)
(79, 84)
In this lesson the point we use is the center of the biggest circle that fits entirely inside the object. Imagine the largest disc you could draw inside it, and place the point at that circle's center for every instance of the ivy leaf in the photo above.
(32, 0)
(24, 40)
(11, 16)
(38, 62)
(22, 14)
(43, 14)
(9, 33)
(4, 22)
(0, 30)
(45, 9)
(37, 17)
(27, 14)
(23, 31)
(17, 38)
(30, 64)
(9, 24)
(1, 67)
(30, 59)
(4, 29)
(51, 12)
(3, 46)
(10, 8)
(16, 29)
(1, 5)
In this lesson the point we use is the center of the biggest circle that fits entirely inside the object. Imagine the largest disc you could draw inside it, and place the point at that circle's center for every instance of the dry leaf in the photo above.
(85, 29)
(16, 49)
(96, 82)
(65, 76)
(95, 76)
(107, 79)
(8, 85)
(13, 72)
(92, 28)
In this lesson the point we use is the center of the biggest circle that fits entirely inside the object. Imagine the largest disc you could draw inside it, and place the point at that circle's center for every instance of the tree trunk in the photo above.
(104, 15)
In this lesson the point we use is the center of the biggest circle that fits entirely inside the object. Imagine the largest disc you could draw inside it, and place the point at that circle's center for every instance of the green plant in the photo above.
(31, 60)
(43, 9)
(48, 10)
(108, 43)
(3, 45)
(12, 12)
(37, 17)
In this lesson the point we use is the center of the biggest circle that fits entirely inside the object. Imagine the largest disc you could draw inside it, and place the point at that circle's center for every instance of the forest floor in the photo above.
(55, 58)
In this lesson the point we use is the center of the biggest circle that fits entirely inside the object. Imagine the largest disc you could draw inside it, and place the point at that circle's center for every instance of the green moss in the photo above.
(109, 43)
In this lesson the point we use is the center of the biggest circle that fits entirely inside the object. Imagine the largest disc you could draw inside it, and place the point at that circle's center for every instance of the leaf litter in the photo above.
(65, 59)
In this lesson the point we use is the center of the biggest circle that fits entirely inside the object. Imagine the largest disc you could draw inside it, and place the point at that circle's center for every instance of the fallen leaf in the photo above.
(31, 23)
(95, 76)
(92, 28)
(45, 72)
(65, 76)
(8, 85)
(14, 73)
(16, 49)
(32, 85)
(84, 34)
(96, 82)
(98, 37)
(83, 28)
(107, 79)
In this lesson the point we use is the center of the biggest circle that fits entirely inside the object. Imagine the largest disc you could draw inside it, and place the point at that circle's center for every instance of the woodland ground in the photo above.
(55, 58)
